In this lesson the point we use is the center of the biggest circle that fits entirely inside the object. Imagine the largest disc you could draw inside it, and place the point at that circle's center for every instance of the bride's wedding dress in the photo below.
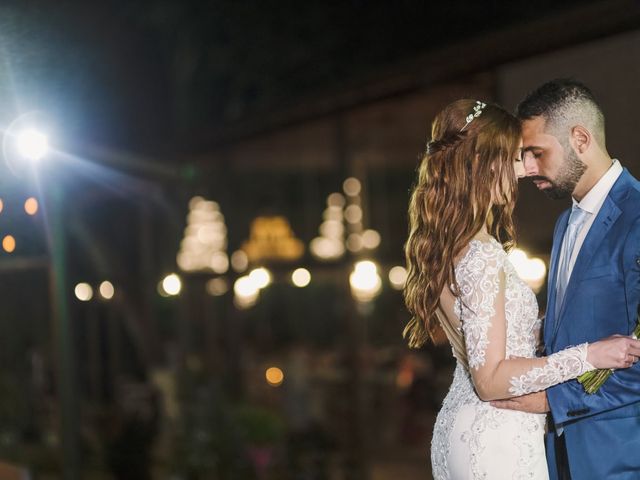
(497, 317)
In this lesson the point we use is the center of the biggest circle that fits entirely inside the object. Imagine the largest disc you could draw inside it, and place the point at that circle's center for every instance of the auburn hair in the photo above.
(466, 180)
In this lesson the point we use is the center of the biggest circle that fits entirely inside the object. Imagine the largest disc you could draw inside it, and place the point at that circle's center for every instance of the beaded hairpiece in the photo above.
(477, 110)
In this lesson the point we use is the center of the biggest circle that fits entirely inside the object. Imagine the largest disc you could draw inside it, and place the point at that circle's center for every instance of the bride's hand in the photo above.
(616, 351)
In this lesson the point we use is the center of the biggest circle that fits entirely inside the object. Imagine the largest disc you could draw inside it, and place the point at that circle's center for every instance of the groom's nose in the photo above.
(530, 165)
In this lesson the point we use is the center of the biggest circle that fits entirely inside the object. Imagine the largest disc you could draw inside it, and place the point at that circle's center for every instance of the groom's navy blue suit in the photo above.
(601, 431)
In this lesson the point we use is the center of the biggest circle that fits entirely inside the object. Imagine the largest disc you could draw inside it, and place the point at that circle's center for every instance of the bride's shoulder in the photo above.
(482, 253)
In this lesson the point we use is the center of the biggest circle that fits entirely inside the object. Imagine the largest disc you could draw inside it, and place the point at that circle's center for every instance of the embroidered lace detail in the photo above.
(461, 393)
(531, 428)
(477, 275)
(561, 366)
(485, 418)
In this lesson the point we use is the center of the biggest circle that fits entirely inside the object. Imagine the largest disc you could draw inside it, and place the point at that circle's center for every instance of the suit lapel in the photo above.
(608, 214)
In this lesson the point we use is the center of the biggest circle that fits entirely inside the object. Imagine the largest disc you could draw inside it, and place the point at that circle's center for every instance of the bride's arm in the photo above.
(484, 325)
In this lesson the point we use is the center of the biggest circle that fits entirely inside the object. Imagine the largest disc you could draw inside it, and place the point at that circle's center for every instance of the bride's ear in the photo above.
(580, 139)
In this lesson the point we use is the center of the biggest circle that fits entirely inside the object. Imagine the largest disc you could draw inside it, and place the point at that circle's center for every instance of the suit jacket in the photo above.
(602, 430)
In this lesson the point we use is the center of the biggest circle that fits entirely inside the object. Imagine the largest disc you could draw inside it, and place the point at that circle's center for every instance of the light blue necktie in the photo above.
(576, 221)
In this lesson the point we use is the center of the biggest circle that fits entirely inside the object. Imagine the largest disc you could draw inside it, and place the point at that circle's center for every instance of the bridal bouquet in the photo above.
(593, 380)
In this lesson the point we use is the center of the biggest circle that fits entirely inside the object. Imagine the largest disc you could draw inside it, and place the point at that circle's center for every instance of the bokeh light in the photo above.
(353, 214)
(239, 261)
(219, 262)
(370, 239)
(9, 243)
(31, 206)
(351, 186)
(365, 282)
(274, 376)
(217, 287)
(336, 200)
(261, 277)
(83, 292)
(171, 284)
(354, 242)
(326, 248)
(246, 292)
(106, 290)
(398, 277)
(301, 277)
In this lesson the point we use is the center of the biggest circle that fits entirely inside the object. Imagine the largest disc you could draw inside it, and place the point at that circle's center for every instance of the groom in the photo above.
(594, 280)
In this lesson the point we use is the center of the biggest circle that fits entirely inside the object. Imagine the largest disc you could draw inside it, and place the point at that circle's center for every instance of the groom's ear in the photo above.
(580, 139)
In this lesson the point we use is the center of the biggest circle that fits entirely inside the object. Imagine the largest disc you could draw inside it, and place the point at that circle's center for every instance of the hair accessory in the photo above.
(477, 110)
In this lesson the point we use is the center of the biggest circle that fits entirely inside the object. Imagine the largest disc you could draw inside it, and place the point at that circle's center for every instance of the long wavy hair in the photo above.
(466, 180)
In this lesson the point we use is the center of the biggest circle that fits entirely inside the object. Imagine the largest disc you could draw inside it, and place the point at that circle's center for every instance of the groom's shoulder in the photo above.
(633, 181)
(632, 197)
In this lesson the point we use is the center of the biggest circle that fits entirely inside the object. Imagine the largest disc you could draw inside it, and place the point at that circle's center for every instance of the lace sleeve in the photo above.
(479, 287)
(481, 308)
(564, 365)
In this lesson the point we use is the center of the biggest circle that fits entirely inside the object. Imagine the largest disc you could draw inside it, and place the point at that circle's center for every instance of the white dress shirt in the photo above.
(592, 202)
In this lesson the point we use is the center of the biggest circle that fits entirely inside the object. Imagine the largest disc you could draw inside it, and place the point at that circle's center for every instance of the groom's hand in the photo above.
(531, 403)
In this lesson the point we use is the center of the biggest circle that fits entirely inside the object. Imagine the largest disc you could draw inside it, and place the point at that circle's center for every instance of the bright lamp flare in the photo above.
(365, 281)
(171, 284)
(83, 292)
(531, 270)
(301, 277)
(106, 290)
(274, 376)
(517, 257)
(32, 144)
(245, 287)
(261, 277)
(246, 292)
(9, 243)
(31, 206)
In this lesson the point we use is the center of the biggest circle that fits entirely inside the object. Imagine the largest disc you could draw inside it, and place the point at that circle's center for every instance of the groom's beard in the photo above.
(568, 177)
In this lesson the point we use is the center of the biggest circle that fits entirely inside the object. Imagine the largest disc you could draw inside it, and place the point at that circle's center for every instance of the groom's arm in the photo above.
(569, 401)
(531, 403)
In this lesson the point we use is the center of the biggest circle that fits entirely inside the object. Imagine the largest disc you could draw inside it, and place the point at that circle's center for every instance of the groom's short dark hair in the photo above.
(561, 102)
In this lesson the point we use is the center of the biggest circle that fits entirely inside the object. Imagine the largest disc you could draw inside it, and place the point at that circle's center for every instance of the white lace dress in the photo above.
(498, 314)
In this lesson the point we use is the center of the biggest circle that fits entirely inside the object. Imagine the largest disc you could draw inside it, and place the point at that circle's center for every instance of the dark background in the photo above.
(266, 108)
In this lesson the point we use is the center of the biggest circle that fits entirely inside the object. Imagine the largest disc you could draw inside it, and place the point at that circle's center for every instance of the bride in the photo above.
(460, 218)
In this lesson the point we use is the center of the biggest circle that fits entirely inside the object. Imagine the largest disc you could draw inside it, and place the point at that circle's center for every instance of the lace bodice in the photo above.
(498, 313)
(498, 316)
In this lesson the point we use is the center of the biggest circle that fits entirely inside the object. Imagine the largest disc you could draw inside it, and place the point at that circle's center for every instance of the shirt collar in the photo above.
(600, 190)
